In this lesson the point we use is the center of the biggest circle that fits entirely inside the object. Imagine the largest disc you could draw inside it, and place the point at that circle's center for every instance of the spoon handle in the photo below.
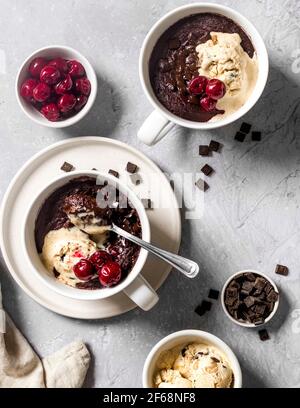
(187, 267)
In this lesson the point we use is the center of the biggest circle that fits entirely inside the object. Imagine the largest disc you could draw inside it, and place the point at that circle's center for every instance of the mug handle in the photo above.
(155, 127)
(141, 293)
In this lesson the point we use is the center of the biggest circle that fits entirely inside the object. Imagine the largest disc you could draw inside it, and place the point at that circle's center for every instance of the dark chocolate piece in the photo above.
(214, 146)
(204, 150)
(249, 301)
(240, 137)
(203, 308)
(67, 167)
(245, 127)
(213, 294)
(263, 335)
(131, 167)
(207, 170)
(113, 173)
(202, 185)
(147, 203)
(282, 270)
(256, 136)
(272, 296)
(94, 169)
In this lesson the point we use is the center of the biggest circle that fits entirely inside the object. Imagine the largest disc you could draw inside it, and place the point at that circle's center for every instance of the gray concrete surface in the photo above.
(251, 217)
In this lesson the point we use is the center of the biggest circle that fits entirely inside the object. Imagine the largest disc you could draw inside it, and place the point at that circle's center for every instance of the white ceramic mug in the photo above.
(161, 121)
(134, 285)
(182, 338)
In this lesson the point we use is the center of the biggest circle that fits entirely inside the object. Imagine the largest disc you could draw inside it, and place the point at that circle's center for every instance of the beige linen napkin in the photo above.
(20, 367)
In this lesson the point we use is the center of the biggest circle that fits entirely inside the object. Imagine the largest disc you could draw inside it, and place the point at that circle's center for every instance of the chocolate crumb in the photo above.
(204, 150)
(131, 167)
(213, 294)
(263, 335)
(256, 136)
(202, 185)
(282, 270)
(240, 137)
(214, 146)
(207, 170)
(113, 173)
(67, 167)
(245, 127)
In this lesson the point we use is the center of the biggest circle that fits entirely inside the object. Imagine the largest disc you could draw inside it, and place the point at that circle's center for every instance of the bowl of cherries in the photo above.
(56, 86)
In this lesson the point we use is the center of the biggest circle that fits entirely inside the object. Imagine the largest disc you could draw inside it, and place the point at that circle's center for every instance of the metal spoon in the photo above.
(187, 267)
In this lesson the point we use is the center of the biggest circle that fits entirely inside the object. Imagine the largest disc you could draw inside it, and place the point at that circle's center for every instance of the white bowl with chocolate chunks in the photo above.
(69, 246)
(250, 298)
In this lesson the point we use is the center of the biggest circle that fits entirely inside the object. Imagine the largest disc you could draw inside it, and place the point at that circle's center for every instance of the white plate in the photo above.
(86, 153)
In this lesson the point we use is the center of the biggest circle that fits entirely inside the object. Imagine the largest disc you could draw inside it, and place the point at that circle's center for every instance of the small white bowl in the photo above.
(134, 285)
(189, 336)
(250, 325)
(54, 51)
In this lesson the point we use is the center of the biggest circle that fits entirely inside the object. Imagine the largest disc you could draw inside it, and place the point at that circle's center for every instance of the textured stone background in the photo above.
(251, 211)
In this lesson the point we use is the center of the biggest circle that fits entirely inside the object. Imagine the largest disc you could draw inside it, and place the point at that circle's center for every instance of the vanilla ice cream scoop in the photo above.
(223, 57)
(193, 366)
(62, 249)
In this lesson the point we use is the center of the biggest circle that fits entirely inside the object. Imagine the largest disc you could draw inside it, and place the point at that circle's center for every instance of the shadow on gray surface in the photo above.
(104, 115)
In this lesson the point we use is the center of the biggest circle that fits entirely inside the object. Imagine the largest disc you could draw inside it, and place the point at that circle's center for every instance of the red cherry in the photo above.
(41, 92)
(110, 274)
(99, 258)
(27, 88)
(76, 69)
(215, 89)
(83, 270)
(83, 86)
(50, 75)
(64, 86)
(60, 64)
(51, 112)
(36, 66)
(197, 85)
(208, 104)
(66, 102)
(81, 101)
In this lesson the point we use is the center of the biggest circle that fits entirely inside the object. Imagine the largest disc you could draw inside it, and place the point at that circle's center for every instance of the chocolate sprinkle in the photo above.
(256, 136)
(67, 167)
(214, 146)
(113, 173)
(131, 167)
(213, 294)
(204, 150)
(207, 170)
(240, 137)
(245, 127)
(202, 185)
(282, 270)
(263, 335)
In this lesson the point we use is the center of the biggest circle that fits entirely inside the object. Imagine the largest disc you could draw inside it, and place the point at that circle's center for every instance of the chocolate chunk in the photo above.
(214, 146)
(204, 150)
(240, 137)
(250, 277)
(183, 351)
(260, 283)
(131, 167)
(249, 301)
(268, 288)
(203, 308)
(272, 296)
(245, 127)
(174, 44)
(207, 170)
(247, 286)
(232, 292)
(147, 203)
(213, 294)
(259, 309)
(202, 185)
(67, 167)
(135, 179)
(94, 169)
(256, 136)
(216, 360)
(263, 335)
(282, 270)
(113, 173)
